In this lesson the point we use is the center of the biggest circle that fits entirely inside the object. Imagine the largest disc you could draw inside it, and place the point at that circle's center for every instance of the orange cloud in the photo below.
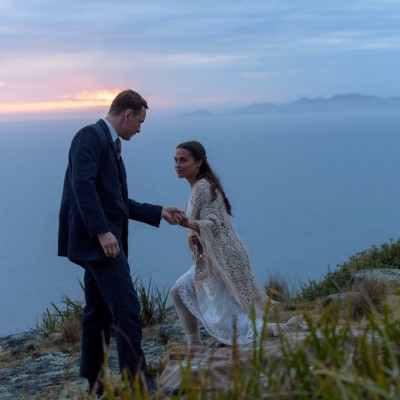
(99, 97)
(82, 100)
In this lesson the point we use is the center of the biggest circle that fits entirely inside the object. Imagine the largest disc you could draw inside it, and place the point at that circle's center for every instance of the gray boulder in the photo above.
(391, 275)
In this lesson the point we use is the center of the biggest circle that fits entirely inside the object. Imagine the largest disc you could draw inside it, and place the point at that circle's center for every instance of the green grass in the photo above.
(67, 317)
(338, 359)
(153, 302)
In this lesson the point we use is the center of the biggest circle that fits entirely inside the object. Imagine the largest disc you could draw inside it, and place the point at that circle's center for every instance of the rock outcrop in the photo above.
(388, 275)
(34, 364)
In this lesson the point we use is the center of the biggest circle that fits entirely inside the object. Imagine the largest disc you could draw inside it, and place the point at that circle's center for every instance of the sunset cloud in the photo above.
(100, 97)
(84, 99)
(79, 101)
(182, 54)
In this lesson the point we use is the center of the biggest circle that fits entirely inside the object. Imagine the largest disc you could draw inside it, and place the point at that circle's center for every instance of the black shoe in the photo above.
(153, 389)
(169, 391)
(151, 386)
(96, 388)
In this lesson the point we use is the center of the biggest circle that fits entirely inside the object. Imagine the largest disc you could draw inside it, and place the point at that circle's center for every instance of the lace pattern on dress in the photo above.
(224, 253)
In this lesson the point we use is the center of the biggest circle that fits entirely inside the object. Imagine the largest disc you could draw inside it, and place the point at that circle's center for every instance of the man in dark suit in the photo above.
(93, 232)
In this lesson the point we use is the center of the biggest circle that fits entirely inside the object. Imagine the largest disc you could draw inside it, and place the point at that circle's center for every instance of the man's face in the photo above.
(132, 123)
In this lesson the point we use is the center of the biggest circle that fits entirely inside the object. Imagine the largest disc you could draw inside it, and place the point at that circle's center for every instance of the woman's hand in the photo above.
(194, 238)
(181, 219)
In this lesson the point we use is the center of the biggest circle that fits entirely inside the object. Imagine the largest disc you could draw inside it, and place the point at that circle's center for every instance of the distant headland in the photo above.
(338, 103)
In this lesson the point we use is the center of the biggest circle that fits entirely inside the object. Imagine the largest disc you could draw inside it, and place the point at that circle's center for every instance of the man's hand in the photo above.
(172, 215)
(109, 243)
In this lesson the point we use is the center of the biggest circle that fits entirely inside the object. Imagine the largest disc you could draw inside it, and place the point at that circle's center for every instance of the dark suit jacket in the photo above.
(95, 197)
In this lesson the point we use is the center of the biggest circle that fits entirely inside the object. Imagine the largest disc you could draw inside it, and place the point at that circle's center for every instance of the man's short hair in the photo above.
(127, 100)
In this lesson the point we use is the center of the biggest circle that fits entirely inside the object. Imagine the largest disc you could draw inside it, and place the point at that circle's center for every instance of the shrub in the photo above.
(385, 256)
(277, 288)
(368, 297)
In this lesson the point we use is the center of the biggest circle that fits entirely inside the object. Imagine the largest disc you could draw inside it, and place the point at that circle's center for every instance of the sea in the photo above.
(307, 192)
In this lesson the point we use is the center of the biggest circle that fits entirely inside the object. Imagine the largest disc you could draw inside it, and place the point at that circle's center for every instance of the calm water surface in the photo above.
(307, 192)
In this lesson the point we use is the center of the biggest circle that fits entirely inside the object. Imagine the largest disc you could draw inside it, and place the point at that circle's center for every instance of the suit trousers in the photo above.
(111, 305)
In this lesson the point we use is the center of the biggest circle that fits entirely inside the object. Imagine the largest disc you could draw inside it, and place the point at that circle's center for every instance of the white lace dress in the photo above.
(215, 307)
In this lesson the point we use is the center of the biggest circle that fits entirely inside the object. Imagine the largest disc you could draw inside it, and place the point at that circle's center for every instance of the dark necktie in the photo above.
(118, 147)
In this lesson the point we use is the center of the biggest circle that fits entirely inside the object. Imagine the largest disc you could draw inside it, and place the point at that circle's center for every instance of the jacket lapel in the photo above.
(119, 162)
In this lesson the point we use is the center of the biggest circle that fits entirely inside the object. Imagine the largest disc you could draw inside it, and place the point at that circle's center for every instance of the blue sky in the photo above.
(184, 55)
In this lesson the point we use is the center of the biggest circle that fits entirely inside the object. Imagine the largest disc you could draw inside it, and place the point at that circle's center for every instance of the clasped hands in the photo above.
(172, 215)
(178, 217)
(175, 216)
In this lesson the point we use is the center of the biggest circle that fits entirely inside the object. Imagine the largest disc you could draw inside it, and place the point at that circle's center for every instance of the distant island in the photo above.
(339, 103)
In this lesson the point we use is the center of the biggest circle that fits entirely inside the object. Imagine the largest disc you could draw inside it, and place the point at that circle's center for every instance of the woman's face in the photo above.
(185, 165)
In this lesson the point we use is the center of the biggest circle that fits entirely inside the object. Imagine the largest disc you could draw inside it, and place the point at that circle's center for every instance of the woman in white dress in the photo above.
(220, 289)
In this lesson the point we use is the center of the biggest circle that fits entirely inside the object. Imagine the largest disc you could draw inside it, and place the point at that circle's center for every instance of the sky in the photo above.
(66, 57)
